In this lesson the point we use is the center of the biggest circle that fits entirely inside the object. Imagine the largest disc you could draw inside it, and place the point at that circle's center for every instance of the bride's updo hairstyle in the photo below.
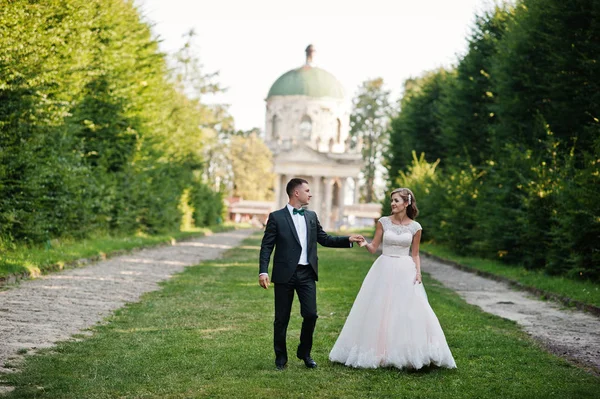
(411, 210)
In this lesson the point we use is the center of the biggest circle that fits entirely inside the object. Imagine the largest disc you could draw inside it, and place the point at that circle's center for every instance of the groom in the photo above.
(294, 232)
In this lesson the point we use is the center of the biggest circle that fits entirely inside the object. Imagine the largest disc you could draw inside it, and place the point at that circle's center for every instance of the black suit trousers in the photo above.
(303, 282)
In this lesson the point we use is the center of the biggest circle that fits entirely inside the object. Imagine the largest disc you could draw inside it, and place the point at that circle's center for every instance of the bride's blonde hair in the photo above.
(407, 196)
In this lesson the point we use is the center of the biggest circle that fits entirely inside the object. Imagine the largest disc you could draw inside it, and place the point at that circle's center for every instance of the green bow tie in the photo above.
(299, 211)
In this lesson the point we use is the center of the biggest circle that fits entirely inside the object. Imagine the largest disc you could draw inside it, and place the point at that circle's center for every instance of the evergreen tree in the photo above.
(466, 111)
(95, 134)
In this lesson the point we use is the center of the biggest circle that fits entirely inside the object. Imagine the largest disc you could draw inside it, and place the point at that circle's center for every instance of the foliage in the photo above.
(418, 126)
(96, 133)
(465, 106)
(516, 129)
(215, 124)
(251, 164)
(208, 205)
(574, 246)
(419, 176)
(546, 75)
(368, 128)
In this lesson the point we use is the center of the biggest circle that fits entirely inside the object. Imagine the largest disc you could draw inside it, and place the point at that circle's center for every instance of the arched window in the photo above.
(339, 131)
(275, 128)
(305, 127)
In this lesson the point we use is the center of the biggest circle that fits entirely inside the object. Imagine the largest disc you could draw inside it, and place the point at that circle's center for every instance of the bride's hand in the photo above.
(356, 238)
(418, 279)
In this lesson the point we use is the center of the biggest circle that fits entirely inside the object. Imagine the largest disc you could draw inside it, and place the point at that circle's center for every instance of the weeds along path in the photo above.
(40, 312)
(569, 333)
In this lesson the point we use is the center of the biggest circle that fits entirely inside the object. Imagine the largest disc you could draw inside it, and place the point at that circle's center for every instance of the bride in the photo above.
(391, 322)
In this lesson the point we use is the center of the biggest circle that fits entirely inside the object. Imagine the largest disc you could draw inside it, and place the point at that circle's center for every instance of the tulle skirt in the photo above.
(391, 322)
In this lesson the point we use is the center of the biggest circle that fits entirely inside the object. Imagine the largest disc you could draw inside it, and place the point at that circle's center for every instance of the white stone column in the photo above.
(341, 201)
(277, 187)
(317, 193)
(356, 191)
(326, 220)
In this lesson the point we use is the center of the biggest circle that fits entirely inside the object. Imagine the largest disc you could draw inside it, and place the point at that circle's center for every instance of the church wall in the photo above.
(324, 114)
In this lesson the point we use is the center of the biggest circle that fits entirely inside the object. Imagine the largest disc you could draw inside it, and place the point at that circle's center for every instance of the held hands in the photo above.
(358, 239)
(264, 281)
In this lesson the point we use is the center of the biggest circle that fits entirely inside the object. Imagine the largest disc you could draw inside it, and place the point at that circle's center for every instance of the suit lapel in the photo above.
(288, 217)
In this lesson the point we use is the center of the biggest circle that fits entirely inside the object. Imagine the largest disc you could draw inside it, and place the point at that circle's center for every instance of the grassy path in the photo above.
(207, 334)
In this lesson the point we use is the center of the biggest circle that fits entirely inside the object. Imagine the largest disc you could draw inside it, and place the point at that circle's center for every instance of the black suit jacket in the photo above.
(281, 235)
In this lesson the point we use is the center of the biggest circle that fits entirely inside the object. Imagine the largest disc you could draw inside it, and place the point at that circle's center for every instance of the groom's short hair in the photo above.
(293, 184)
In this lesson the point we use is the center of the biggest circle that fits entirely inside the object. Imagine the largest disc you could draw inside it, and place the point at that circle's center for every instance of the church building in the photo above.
(307, 129)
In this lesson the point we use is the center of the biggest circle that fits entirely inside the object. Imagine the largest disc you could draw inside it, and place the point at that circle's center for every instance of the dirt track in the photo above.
(569, 333)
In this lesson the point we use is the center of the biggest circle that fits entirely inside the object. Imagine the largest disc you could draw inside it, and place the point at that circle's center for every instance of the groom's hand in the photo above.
(356, 238)
(263, 280)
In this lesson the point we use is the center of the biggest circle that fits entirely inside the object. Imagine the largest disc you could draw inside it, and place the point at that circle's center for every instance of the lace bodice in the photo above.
(397, 238)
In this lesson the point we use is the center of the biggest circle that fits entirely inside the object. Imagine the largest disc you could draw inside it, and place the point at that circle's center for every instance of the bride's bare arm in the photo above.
(372, 247)
(415, 254)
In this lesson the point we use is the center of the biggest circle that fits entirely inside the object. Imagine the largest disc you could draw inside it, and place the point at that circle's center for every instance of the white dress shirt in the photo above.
(300, 224)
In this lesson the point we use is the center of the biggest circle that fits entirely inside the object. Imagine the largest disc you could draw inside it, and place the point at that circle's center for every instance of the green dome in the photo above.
(307, 81)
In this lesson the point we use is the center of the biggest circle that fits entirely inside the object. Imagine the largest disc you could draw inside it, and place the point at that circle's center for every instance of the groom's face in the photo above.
(304, 194)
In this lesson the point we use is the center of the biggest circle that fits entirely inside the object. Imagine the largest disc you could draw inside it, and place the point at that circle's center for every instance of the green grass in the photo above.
(583, 291)
(208, 334)
(38, 259)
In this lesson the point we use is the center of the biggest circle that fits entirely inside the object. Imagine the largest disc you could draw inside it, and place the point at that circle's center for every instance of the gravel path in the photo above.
(569, 333)
(40, 312)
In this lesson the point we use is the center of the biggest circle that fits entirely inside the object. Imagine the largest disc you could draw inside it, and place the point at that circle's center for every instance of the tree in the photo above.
(516, 129)
(214, 121)
(368, 125)
(251, 164)
(418, 125)
(466, 106)
(95, 134)
(547, 76)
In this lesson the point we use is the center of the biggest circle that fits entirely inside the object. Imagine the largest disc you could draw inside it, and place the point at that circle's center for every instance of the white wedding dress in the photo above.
(391, 322)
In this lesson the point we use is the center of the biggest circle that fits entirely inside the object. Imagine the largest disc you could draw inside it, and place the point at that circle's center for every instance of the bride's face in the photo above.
(398, 204)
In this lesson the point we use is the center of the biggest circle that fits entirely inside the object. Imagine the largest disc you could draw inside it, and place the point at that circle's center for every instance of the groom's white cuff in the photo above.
(261, 274)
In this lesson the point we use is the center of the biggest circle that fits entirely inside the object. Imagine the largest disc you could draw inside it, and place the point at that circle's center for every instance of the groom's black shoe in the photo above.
(280, 367)
(308, 362)
(280, 364)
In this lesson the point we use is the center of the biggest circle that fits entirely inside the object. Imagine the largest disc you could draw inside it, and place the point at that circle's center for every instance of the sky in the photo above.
(252, 43)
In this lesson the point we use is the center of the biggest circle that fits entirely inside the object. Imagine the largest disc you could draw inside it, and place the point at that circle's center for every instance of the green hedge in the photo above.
(94, 134)
(516, 129)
